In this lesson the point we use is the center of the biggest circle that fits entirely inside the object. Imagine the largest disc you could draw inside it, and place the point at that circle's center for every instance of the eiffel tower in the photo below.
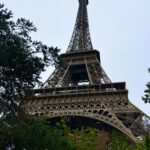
(80, 87)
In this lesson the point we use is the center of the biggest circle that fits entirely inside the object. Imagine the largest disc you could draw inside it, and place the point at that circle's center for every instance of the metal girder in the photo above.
(93, 69)
(109, 109)
(100, 99)
(81, 40)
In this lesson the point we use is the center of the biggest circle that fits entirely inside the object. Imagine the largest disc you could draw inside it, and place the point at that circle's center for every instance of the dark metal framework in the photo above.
(80, 87)
(81, 40)
(78, 67)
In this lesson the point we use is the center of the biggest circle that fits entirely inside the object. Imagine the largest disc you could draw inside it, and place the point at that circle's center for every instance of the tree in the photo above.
(146, 97)
(83, 138)
(119, 142)
(21, 61)
(33, 135)
(144, 143)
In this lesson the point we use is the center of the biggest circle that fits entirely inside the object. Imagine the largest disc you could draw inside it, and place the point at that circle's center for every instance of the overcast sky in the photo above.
(120, 30)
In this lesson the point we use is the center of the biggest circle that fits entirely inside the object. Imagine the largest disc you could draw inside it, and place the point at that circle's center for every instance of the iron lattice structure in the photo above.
(80, 87)
(81, 40)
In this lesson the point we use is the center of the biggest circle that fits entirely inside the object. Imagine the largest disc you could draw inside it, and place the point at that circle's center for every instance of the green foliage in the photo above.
(33, 135)
(144, 143)
(84, 139)
(119, 141)
(21, 60)
(146, 97)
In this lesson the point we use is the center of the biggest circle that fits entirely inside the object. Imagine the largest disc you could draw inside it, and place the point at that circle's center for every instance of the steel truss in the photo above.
(81, 40)
(62, 94)
(105, 103)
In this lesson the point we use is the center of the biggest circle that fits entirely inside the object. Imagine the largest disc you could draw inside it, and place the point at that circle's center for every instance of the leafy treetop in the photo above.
(21, 60)
(146, 97)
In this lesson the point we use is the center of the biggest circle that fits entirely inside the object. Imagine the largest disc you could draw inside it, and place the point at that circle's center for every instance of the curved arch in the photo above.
(104, 117)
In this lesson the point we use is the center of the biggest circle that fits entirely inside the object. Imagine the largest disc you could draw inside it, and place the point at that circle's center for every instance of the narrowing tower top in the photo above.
(81, 40)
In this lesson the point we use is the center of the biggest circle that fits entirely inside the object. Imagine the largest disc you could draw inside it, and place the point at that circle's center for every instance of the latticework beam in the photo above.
(81, 40)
